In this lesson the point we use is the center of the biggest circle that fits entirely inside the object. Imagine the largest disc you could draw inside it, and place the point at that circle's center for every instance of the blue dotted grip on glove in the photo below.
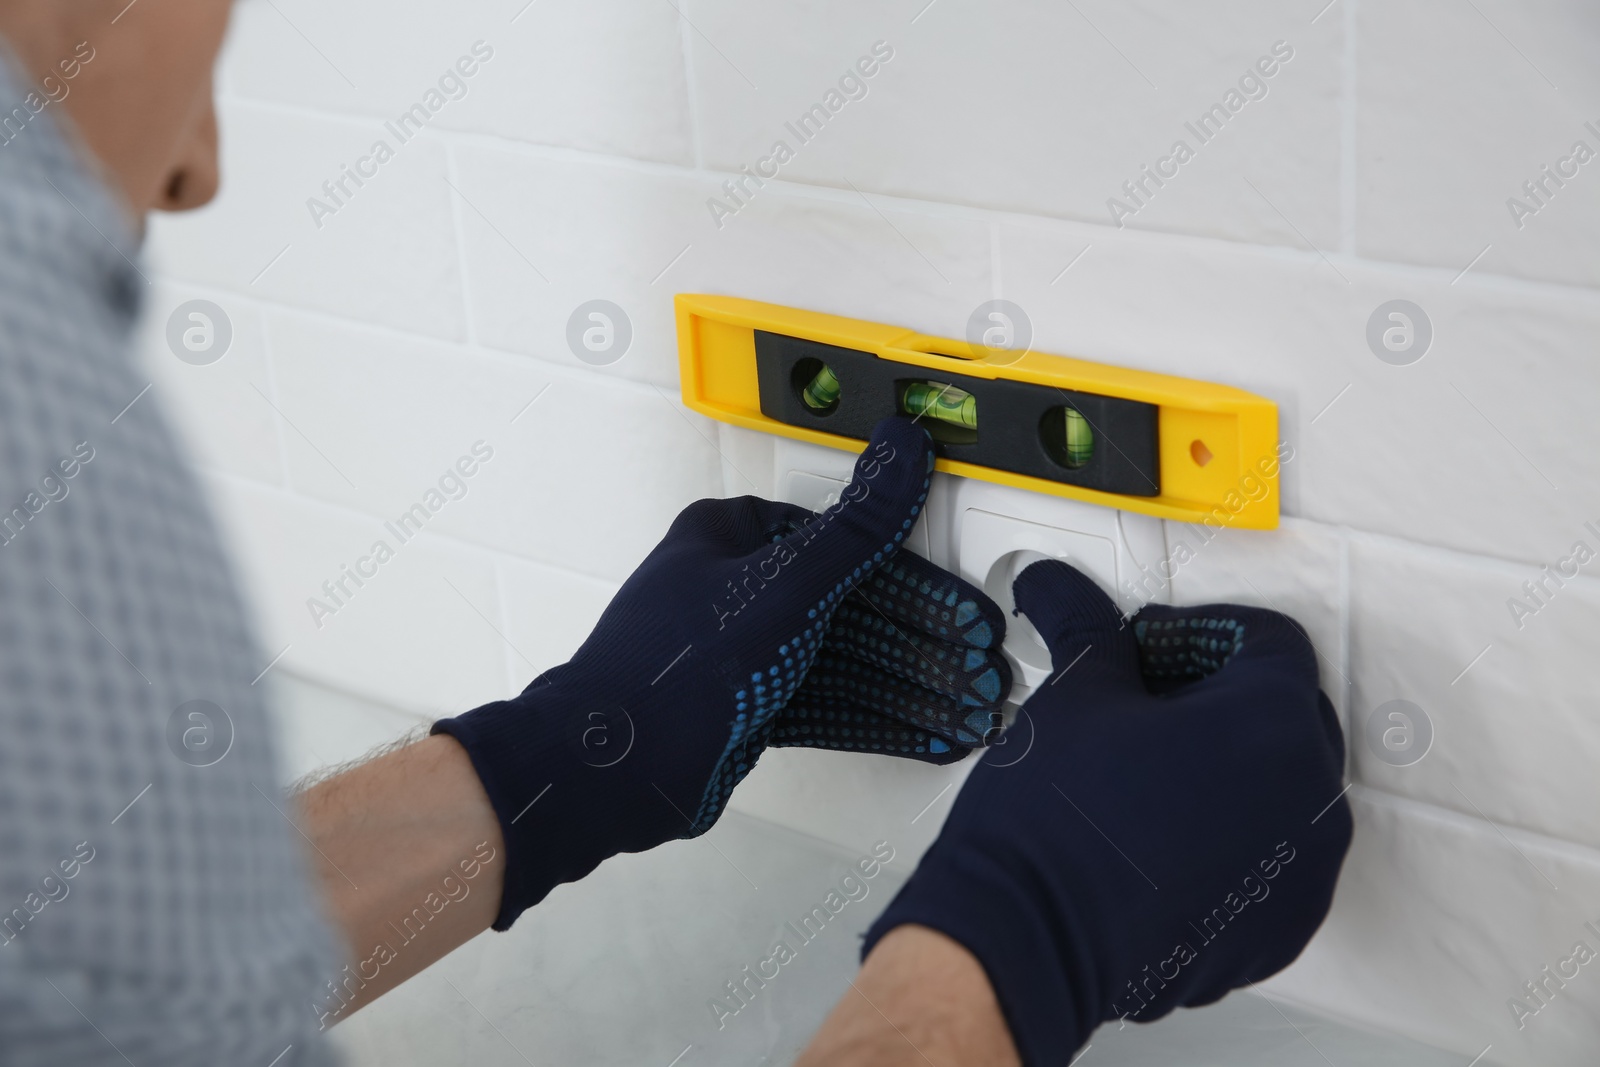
(641, 736)
(910, 666)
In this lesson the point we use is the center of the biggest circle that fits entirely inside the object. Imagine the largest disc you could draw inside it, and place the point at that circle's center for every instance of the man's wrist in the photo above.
(920, 997)
(410, 859)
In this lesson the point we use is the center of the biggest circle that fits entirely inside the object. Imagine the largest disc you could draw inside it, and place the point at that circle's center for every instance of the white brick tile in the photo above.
(1438, 922)
(601, 76)
(319, 727)
(1516, 736)
(411, 636)
(1482, 445)
(852, 798)
(1458, 107)
(548, 613)
(387, 255)
(1039, 108)
(374, 420)
(543, 236)
(588, 477)
(636, 237)
(621, 968)
(224, 421)
(1294, 569)
(749, 461)
(851, 254)
(1248, 1029)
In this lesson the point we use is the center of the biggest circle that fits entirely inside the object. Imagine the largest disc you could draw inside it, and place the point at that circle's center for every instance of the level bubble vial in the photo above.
(1080, 438)
(940, 401)
(818, 385)
(1067, 436)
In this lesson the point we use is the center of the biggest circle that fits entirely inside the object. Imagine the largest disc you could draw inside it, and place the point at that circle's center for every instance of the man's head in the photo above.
(143, 103)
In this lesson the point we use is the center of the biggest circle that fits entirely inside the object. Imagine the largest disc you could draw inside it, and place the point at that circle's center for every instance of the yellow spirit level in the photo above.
(1152, 443)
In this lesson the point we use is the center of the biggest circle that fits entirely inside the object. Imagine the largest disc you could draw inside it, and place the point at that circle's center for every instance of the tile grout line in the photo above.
(1409, 807)
(269, 360)
(459, 234)
(690, 87)
(502, 357)
(508, 651)
(445, 540)
(1349, 101)
(1350, 535)
(1349, 701)
(996, 264)
(935, 208)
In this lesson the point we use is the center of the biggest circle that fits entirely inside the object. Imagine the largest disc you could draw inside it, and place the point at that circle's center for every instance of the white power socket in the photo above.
(989, 533)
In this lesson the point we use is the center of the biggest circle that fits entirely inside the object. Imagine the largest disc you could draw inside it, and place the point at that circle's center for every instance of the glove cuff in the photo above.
(1041, 981)
(528, 753)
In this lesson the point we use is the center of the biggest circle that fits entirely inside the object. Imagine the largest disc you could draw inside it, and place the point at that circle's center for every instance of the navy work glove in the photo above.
(1174, 832)
(641, 737)
(910, 666)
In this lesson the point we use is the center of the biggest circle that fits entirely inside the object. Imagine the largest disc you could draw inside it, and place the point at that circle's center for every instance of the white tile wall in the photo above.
(601, 76)
(1038, 107)
(419, 635)
(548, 613)
(221, 409)
(598, 975)
(1495, 408)
(373, 351)
(318, 727)
(634, 236)
(581, 476)
(1515, 734)
(1297, 569)
(387, 255)
(1460, 104)
(1438, 922)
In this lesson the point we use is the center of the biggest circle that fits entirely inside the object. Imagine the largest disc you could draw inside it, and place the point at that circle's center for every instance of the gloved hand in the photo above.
(910, 666)
(1174, 832)
(640, 738)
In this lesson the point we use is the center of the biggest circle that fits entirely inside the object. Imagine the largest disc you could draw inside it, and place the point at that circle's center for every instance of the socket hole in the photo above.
(814, 382)
(1023, 642)
(1067, 436)
(1199, 451)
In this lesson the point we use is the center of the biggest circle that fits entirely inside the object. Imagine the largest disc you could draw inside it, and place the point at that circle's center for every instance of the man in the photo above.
(164, 907)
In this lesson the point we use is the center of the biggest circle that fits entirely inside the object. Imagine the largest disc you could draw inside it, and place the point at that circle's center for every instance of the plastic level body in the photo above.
(1163, 445)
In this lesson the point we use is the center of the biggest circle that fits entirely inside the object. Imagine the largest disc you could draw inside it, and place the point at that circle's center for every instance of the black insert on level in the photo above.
(1020, 425)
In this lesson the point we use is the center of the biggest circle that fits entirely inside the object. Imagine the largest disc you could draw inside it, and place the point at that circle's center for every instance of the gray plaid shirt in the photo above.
(154, 905)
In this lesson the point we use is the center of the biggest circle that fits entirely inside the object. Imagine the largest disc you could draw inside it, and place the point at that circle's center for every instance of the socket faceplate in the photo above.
(989, 533)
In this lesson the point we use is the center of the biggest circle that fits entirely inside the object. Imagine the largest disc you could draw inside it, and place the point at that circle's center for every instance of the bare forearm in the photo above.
(410, 860)
(920, 999)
